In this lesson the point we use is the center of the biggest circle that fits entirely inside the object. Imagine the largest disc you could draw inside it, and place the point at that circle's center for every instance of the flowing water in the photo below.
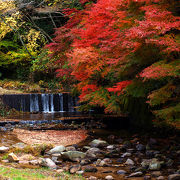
(47, 103)
(37, 109)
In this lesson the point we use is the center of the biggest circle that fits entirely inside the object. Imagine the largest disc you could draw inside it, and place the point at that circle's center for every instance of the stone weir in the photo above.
(47, 103)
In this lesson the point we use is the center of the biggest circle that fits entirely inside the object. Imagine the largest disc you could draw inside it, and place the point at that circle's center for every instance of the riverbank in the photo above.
(102, 153)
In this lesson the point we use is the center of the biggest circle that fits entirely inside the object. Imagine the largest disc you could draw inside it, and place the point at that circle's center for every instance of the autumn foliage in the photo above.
(122, 50)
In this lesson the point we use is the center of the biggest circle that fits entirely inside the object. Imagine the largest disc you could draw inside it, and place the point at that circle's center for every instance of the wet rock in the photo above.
(47, 162)
(4, 149)
(126, 155)
(98, 143)
(140, 147)
(155, 164)
(110, 147)
(70, 148)
(136, 174)
(85, 162)
(55, 160)
(94, 153)
(121, 172)
(174, 177)
(74, 169)
(145, 163)
(35, 162)
(86, 147)
(19, 145)
(92, 178)
(101, 163)
(13, 158)
(160, 178)
(152, 164)
(57, 149)
(169, 163)
(80, 172)
(107, 160)
(109, 177)
(129, 162)
(156, 173)
(89, 169)
(140, 169)
(73, 155)
(147, 177)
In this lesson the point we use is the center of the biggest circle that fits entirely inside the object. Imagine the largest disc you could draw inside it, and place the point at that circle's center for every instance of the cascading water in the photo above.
(47, 103)
(61, 102)
(34, 103)
(52, 102)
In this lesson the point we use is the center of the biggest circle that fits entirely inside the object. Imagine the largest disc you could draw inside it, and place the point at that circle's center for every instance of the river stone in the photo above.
(147, 177)
(136, 174)
(98, 143)
(92, 178)
(160, 178)
(93, 151)
(140, 147)
(126, 155)
(4, 149)
(174, 177)
(57, 149)
(129, 162)
(13, 158)
(154, 164)
(70, 148)
(35, 162)
(74, 169)
(145, 163)
(73, 155)
(19, 145)
(85, 162)
(107, 160)
(110, 147)
(49, 163)
(121, 172)
(102, 164)
(109, 177)
(80, 172)
(89, 169)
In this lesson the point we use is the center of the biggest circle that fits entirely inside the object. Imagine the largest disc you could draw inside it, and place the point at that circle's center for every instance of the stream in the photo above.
(124, 153)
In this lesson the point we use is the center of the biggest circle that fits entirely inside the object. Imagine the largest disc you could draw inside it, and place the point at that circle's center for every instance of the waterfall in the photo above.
(61, 102)
(52, 102)
(47, 103)
(34, 103)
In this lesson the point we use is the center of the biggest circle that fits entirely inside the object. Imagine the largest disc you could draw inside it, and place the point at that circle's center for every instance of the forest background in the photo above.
(121, 56)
